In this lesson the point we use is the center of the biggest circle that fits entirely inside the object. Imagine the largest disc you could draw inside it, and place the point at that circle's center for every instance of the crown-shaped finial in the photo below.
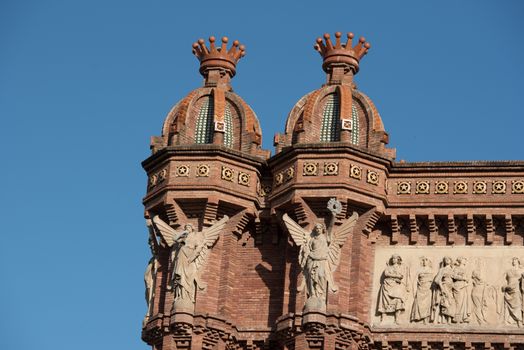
(218, 57)
(341, 54)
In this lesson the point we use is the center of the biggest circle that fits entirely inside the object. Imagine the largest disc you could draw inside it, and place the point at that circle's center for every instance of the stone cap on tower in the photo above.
(341, 59)
(217, 64)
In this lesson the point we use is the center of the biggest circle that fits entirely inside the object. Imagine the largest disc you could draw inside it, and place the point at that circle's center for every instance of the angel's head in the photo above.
(319, 229)
(189, 228)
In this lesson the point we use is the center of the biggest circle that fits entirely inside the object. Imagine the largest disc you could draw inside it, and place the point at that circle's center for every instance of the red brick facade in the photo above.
(252, 272)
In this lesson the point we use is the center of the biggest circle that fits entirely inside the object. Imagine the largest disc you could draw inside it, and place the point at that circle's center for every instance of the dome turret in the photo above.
(337, 112)
(213, 113)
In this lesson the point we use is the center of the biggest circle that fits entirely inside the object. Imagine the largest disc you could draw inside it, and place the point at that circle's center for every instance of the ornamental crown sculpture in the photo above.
(218, 57)
(341, 54)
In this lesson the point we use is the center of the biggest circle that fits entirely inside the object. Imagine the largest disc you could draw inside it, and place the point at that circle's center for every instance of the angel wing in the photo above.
(167, 232)
(296, 231)
(338, 239)
(210, 235)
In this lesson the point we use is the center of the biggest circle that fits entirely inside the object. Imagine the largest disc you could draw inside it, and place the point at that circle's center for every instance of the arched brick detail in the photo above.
(304, 122)
(237, 124)
(180, 124)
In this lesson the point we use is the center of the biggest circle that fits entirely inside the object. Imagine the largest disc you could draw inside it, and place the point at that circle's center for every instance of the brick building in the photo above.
(406, 256)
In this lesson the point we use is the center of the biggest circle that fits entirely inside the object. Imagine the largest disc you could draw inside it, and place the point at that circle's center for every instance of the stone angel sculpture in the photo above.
(151, 270)
(319, 255)
(189, 254)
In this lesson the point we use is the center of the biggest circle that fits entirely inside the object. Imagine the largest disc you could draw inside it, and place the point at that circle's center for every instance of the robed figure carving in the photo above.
(319, 255)
(189, 253)
(151, 270)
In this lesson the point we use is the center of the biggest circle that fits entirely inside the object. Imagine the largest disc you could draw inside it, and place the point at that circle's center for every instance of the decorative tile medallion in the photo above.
(422, 187)
(331, 168)
(153, 180)
(403, 187)
(202, 170)
(182, 171)
(279, 179)
(460, 187)
(347, 124)
(441, 187)
(243, 178)
(227, 173)
(355, 171)
(290, 172)
(372, 177)
(310, 169)
(499, 187)
(480, 187)
(517, 186)
(162, 175)
(220, 126)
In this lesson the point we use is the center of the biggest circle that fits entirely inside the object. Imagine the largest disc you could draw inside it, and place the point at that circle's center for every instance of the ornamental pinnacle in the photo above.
(218, 57)
(341, 54)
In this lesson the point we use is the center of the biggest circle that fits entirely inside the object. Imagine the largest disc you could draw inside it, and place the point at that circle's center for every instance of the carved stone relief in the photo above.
(319, 255)
(189, 252)
(457, 287)
(151, 271)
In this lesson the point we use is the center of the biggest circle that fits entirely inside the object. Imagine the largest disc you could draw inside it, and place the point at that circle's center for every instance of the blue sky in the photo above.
(84, 84)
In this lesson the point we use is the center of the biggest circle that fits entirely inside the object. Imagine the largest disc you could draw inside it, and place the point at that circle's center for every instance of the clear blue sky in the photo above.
(84, 84)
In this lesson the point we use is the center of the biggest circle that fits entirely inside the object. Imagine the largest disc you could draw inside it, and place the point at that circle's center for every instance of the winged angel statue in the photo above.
(189, 253)
(151, 270)
(319, 254)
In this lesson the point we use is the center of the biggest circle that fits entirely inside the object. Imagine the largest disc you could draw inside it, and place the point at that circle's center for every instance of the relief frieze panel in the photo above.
(448, 287)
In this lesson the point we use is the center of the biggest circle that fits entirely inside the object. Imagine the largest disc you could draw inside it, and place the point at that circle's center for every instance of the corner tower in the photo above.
(338, 111)
(203, 193)
(214, 114)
